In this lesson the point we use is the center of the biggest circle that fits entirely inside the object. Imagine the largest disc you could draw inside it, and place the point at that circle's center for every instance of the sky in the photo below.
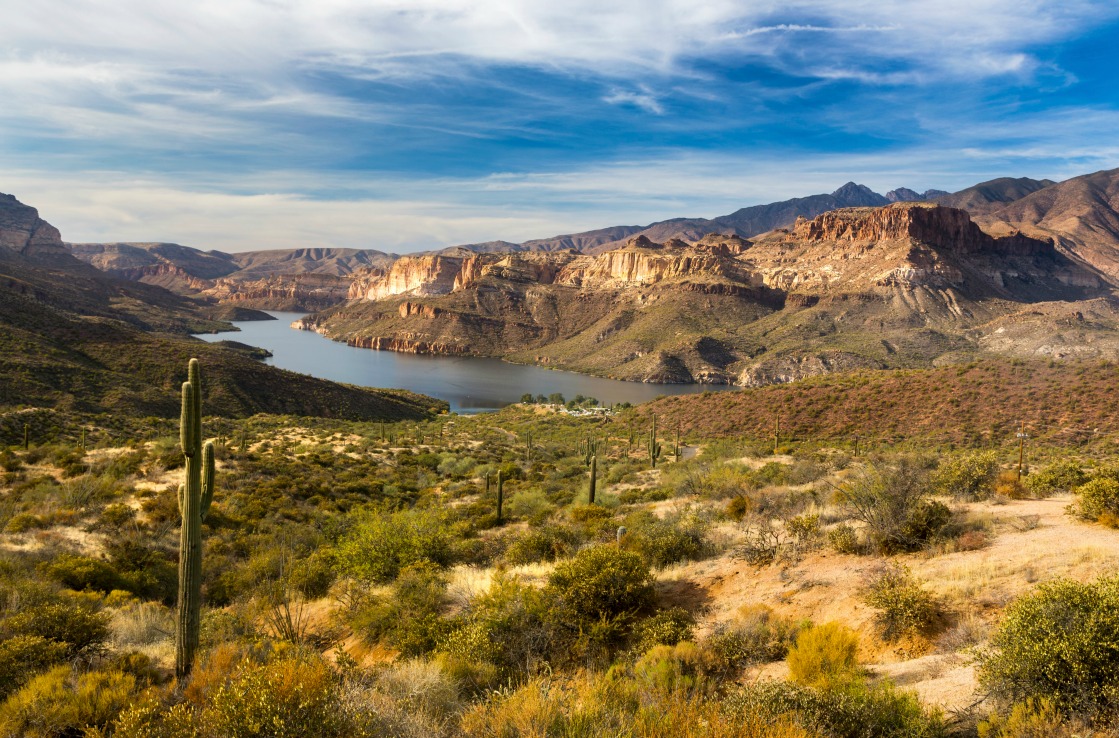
(415, 124)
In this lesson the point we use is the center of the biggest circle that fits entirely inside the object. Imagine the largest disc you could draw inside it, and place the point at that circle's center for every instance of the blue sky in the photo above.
(243, 124)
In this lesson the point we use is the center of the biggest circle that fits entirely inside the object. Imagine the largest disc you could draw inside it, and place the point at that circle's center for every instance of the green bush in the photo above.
(62, 703)
(1060, 476)
(665, 628)
(854, 711)
(82, 631)
(904, 607)
(504, 626)
(410, 619)
(1098, 500)
(382, 543)
(845, 539)
(24, 656)
(546, 543)
(967, 477)
(824, 656)
(758, 637)
(662, 542)
(288, 698)
(1060, 642)
(84, 572)
(594, 599)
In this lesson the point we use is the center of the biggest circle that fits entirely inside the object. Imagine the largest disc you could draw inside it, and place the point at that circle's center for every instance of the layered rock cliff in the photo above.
(900, 285)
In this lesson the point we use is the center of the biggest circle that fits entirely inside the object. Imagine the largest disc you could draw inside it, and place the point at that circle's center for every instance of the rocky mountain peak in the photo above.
(856, 195)
(25, 233)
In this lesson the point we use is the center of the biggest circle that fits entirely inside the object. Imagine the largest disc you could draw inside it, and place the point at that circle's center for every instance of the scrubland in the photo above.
(358, 580)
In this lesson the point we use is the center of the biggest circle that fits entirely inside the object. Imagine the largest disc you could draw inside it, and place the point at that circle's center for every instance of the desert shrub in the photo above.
(893, 503)
(1060, 642)
(1009, 486)
(665, 628)
(312, 576)
(382, 543)
(81, 630)
(592, 704)
(117, 516)
(824, 656)
(410, 619)
(738, 507)
(62, 703)
(23, 656)
(675, 669)
(903, 605)
(530, 504)
(1034, 718)
(23, 522)
(758, 636)
(1098, 500)
(595, 597)
(845, 539)
(292, 697)
(853, 711)
(145, 570)
(546, 543)
(665, 541)
(1060, 476)
(503, 626)
(84, 572)
(967, 477)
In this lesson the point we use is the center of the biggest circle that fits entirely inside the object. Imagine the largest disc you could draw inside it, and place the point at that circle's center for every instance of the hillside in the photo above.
(978, 403)
(904, 285)
(77, 339)
(1080, 214)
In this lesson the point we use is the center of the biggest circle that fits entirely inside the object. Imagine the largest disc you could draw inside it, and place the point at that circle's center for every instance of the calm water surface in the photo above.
(470, 385)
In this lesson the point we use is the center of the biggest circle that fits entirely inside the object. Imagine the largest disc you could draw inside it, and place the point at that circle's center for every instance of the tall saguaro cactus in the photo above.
(594, 480)
(654, 447)
(500, 496)
(195, 494)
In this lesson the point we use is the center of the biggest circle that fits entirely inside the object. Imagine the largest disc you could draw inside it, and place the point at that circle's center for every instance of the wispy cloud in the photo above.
(413, 123)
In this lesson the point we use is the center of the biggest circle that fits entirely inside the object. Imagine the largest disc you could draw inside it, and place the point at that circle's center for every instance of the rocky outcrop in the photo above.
(409, 275)
(927, 223)
(785, 369)
(299, 292)
(23, 232)
(406, 345)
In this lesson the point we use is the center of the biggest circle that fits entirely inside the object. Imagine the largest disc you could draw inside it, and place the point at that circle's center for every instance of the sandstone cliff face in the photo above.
(415, 275)
(300, 292)
(644, 264)
(25, 233)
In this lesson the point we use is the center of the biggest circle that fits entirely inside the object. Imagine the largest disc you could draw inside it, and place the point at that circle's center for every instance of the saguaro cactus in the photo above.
(500, 495)
(654, 447)
(594, 479)
(195, 495)
(26, 436)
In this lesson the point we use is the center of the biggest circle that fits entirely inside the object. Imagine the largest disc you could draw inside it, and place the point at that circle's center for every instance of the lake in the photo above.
(470, 385)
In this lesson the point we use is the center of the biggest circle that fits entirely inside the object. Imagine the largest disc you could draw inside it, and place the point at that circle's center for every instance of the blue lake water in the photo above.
(470, 385)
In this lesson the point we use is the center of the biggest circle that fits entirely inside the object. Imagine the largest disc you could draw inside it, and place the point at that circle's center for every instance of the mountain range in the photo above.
(769, 293)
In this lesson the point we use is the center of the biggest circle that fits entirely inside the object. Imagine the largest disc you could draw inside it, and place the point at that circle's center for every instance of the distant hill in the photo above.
(75, 338)
(988, 196)
(1081, 214)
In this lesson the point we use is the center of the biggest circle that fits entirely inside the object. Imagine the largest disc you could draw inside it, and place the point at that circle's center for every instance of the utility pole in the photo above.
(1022, 438)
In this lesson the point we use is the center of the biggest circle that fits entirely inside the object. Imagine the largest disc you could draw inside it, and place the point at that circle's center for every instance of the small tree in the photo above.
(895, 505)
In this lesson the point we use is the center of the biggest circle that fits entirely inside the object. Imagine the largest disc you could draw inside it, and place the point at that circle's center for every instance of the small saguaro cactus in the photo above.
(594, 479)
(500, 495)
(26, 436)
(195, 495)
(776, 433)
(528, 449)
(654, 447)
